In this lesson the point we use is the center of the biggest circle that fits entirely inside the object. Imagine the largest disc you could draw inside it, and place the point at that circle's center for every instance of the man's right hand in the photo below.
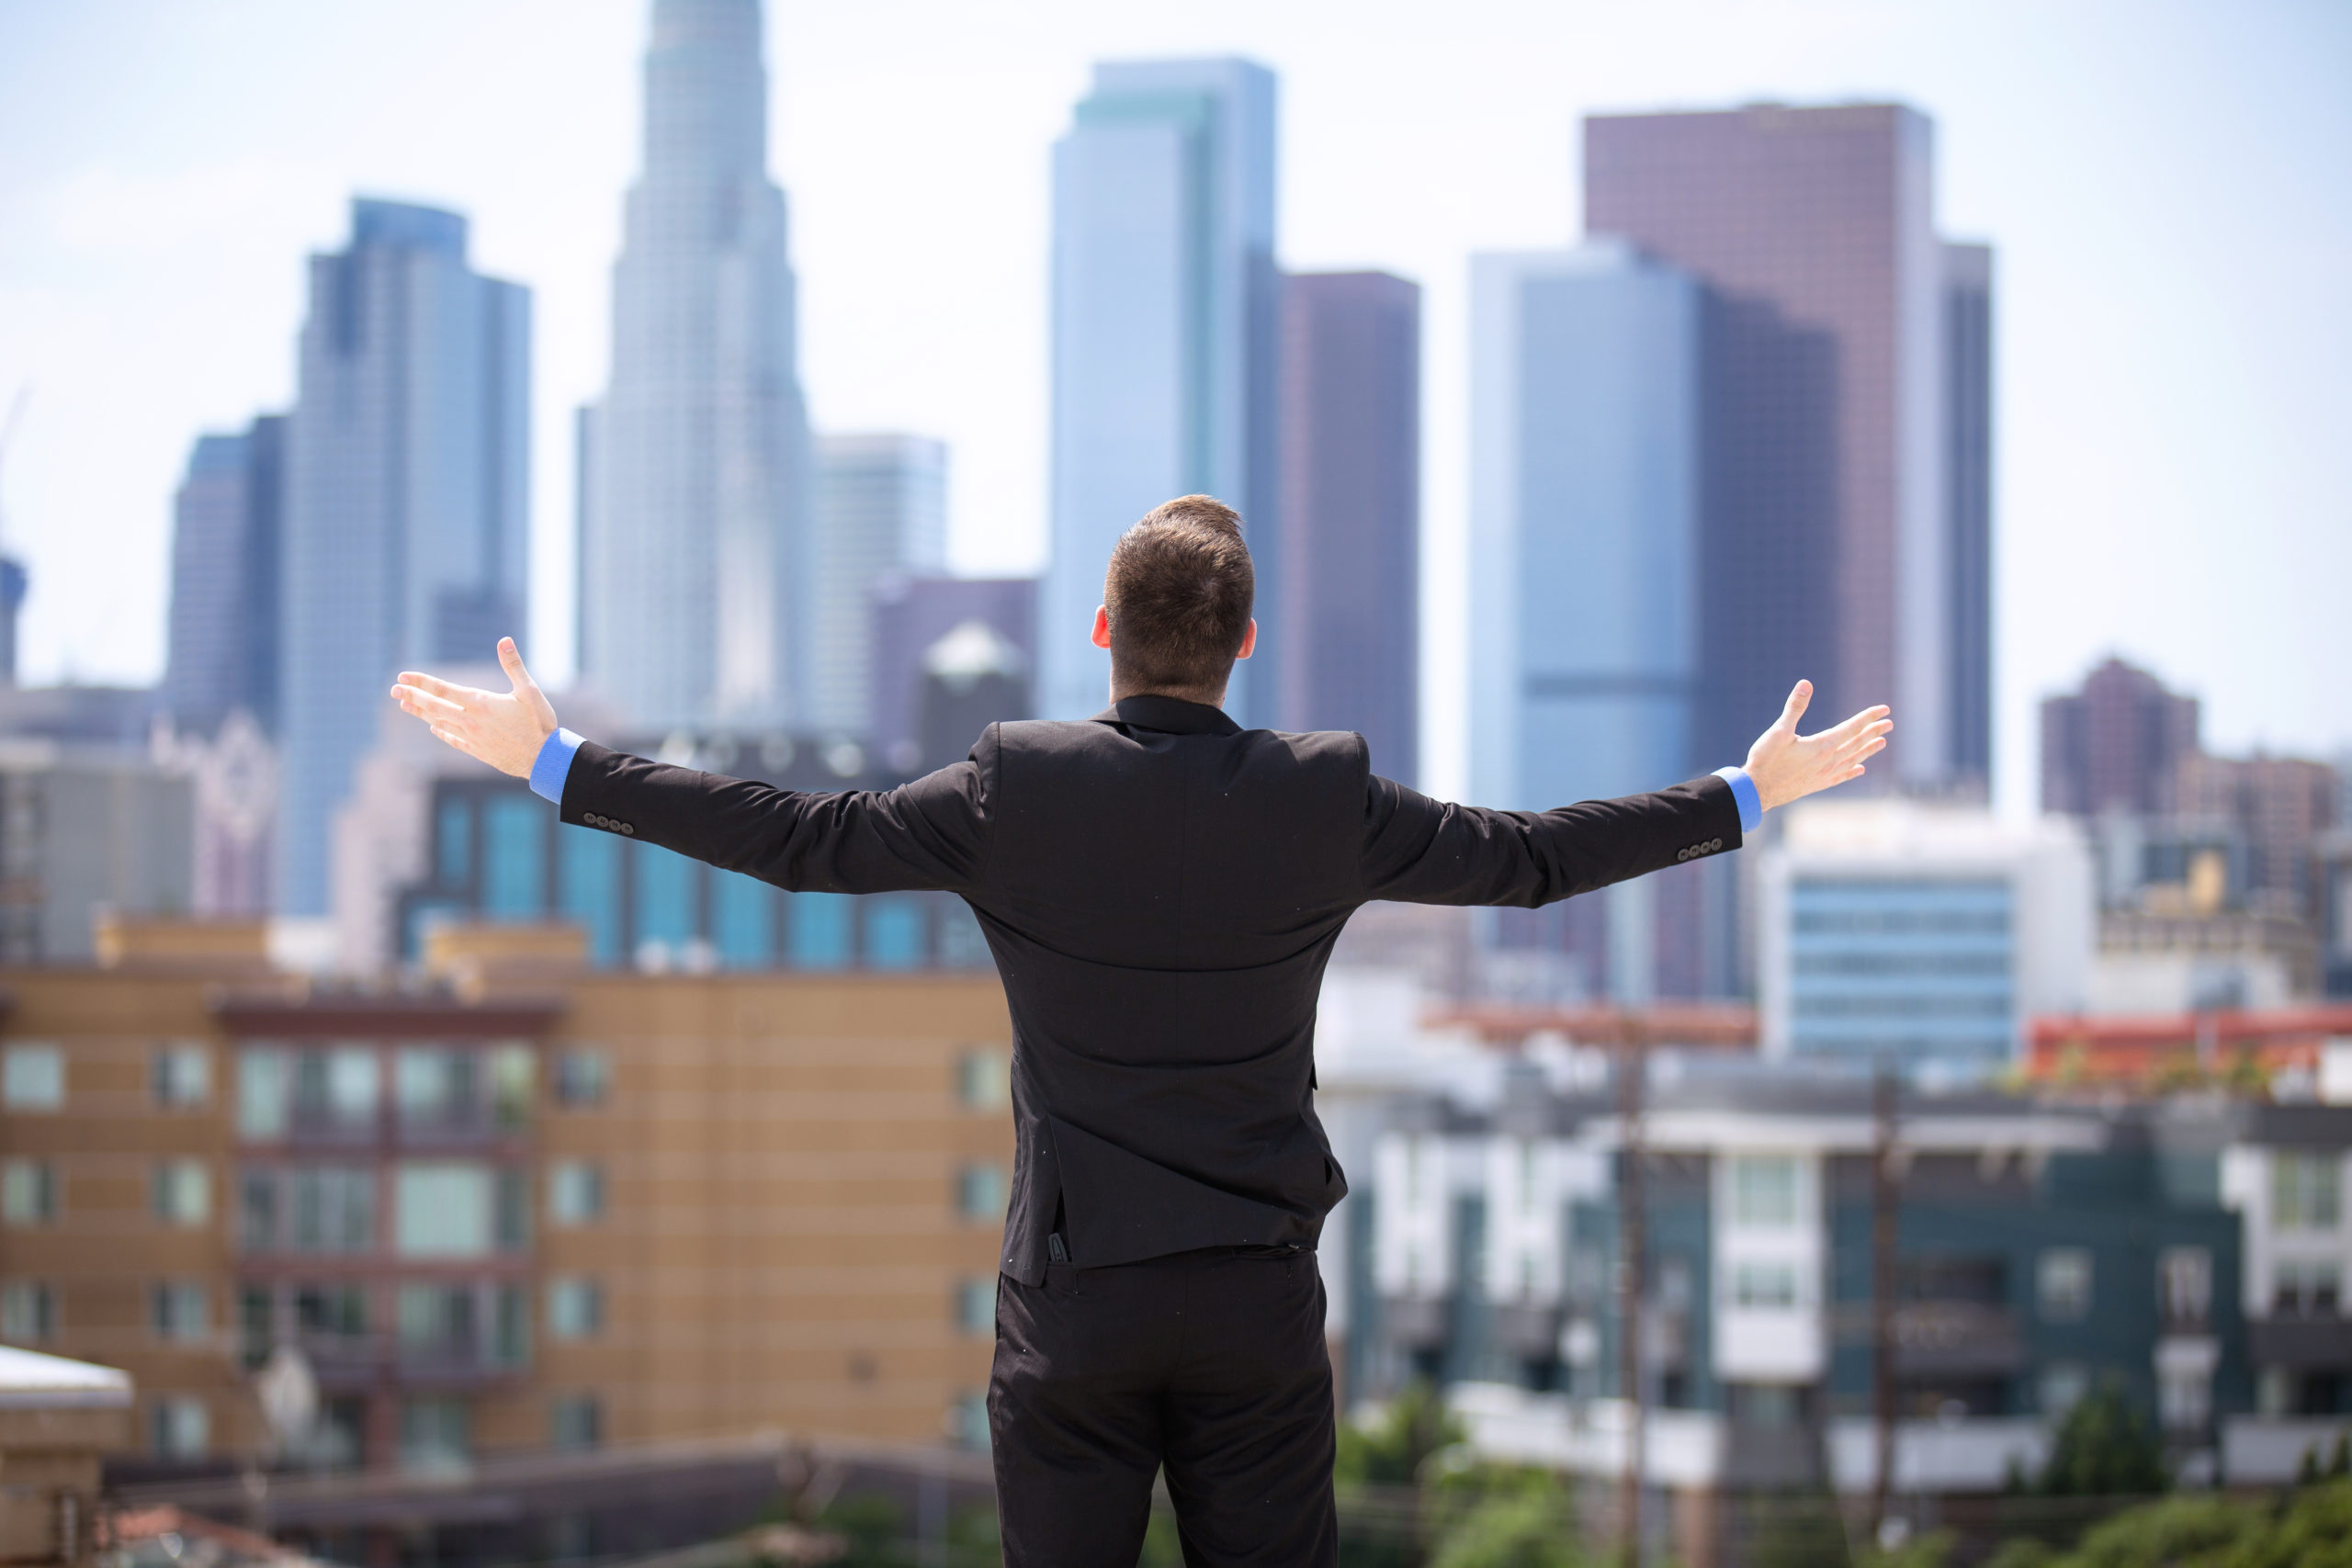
(1786, 766)
(505, 729)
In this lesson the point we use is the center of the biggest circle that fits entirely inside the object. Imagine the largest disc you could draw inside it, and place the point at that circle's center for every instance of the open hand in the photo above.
(1786, 766)
(502, 729)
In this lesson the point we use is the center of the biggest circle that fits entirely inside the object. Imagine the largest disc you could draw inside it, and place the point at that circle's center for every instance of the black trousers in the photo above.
(1210, 1364)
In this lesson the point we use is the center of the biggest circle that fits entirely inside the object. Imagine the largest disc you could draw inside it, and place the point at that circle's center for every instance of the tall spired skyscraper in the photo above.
(693, 516)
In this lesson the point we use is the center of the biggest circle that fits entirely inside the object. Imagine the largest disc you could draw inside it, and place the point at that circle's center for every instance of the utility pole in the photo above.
(1884, 1200)
(1633, 1243)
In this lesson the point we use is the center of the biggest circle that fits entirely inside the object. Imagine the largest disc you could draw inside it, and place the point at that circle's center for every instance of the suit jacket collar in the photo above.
(1170, 716)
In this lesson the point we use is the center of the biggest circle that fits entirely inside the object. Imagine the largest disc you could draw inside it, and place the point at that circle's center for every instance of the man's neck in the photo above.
(1120, 693)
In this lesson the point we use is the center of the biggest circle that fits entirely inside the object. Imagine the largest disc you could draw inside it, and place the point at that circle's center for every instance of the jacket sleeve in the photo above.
(1419, 851)
(931, 834)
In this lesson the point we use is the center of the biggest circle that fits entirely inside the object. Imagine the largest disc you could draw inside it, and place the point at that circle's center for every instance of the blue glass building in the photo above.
(1165, 315)
(407, 499)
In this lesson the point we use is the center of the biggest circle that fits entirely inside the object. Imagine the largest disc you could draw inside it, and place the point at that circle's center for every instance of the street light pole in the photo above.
(1633, 1244)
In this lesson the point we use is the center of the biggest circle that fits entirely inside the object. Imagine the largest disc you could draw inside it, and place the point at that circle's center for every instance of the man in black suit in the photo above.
(1161, 890)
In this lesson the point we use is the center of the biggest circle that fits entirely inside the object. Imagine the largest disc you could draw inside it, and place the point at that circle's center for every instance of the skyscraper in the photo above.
(693, 532)
(224, 610)
(909, 616)
(1585, 524)
(881, 511)
(1968, 479)
(407, 480)
(1829, 543)
(1350, 511)
(2116, 745)
(1164, 325)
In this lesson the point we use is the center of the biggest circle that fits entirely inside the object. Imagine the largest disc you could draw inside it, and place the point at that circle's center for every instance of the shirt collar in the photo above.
(1170, 716)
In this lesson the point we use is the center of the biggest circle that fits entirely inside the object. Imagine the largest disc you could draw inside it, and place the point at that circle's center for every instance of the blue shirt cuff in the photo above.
(553, 765)
(1743, 790)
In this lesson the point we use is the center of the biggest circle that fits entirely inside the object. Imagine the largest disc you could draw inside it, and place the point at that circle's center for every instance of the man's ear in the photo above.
(1102, 626)
(1249, 640)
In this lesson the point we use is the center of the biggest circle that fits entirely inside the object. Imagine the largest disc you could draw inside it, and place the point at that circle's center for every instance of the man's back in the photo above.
(1161, 889)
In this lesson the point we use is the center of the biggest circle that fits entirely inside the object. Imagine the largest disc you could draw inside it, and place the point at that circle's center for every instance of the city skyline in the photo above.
(2094, 558)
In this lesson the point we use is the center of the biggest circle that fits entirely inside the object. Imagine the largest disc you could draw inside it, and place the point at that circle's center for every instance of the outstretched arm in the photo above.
(1426, 852)
(927, 834)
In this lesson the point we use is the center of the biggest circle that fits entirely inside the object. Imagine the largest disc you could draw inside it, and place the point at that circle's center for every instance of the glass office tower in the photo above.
(407, 499)
(1165, 301)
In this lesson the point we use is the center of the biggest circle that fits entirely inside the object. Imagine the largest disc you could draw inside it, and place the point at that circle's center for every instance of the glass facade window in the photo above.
(1914, 968)
(179, 1192)
(32, 1076)
(2062, 1283)
(436, 1435)
(334, 1090)
(819, 935)
(514, 1206)
(583, 1076)
(1764, 1285)
(575, 1421)
(514, 1084)
(742, 911)
(261, 1074)
(588, 887)
(665, 897)
(515, 857)
(444, 1209)
(453, 840)
(894, 931)
(176, 1309)
(2306, 1190)
(28, 1311)
(28, 1192)
(180, 1076)
(327, 1210)
(179, 1425)
(980, 1191)
(576, 1192)
(1763, 1192)
(575, 1308)
(433, 1086)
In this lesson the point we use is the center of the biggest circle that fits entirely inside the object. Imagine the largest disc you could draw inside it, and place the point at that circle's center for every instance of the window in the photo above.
(1771, 1405)
(513, 1209)
(510, 1326)
(1764, 1285)
(742, 914)
(436, 1435)
(980, 1192)
(1763, 1192)
(179, 1193)
(256, 1324)
(665, 897)
(453, 843)
(261, 1092)
(2062, 1387)
(335, 1089)
(515, 858)
(2185, 1284)
(28, 1311)
(176, 1311)
(894, 933)
(968, 1421)
(575, 1421)
(819, 936)
(576, 1192)
(2062, 1283)
(327, 1208)
(2305, 1189)
(257, 1210)
(514, 1083)
(2305, 1288)
(179, 1427)
(28, 1192)
(2184, 1398)
(331, 1312)
(434, 1322)
(32, 1077)
(180, 1076)
(962, 944)
(588, 887)
(975, 1306)
(443, 1209)
(435, 1087)
(583, 1075)
(984, 1079)
(575, 1308)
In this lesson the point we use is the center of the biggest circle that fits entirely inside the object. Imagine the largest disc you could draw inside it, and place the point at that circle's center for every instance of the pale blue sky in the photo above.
(2167, 185)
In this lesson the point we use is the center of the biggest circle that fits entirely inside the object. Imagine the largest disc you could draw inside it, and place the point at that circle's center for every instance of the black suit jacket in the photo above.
(1162, 889)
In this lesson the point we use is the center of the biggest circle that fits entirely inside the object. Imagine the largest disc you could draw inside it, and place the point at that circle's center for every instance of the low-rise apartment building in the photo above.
(525, 1204)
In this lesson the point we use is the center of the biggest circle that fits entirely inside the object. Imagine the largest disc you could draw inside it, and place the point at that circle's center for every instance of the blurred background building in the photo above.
(881, 513)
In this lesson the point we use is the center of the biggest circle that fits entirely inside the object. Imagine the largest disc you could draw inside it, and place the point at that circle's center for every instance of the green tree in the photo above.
(2104, 1447)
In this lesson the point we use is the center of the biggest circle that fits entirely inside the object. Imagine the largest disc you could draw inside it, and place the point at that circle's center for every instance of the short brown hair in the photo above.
(1178, 591)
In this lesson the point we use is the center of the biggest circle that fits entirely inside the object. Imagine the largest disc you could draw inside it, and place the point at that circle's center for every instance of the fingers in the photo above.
(510, 659)
(436, 685)
(424, 704)
(1838, 733)
(1794, 709)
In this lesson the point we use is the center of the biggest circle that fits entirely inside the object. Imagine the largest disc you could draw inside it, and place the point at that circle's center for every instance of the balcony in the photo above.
(2307, 1339)
(1946, 1339)
(344, 1362)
